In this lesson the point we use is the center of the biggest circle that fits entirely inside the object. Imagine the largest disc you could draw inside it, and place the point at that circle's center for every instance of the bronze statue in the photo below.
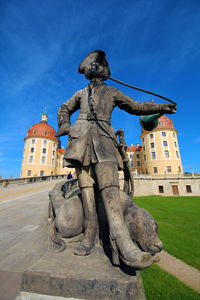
(93, 150)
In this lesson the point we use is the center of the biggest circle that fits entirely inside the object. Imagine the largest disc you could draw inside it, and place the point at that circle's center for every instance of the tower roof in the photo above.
(42, 129)
(164, 122)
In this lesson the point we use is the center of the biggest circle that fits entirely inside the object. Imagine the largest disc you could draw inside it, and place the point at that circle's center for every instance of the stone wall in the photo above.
(166, 186)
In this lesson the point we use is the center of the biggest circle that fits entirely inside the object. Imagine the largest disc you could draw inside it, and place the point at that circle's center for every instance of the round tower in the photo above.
(39, 157)
(161, 153)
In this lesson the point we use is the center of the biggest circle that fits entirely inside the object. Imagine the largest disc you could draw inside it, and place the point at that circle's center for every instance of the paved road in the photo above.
(23, 235)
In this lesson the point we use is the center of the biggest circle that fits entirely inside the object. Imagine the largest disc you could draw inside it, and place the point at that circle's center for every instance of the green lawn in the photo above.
(159, 285)
(179, 225)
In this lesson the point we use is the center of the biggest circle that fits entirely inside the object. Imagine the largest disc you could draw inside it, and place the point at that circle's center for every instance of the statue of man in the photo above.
(93, 150)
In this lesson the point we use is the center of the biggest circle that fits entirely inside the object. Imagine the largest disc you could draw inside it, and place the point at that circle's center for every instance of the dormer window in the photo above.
(46, 133)
(34, 131)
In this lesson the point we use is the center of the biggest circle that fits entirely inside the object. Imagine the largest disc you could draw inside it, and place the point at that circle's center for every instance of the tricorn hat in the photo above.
(98, 56)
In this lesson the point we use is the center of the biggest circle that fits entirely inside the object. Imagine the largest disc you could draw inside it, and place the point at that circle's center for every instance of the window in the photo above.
(153, 155)
(46, 133)
(34, 132)
(131, 155)
(169, 169)
(143, 140)
(174, 135)
(177, 154)
(175, 144)
(163, 133)
(161, 189)
(145, 158)
(32, 150)
(43, 160)
(33, 141)
(44, 150)
(179, 169)
(144, 148)
(52, 161)
(151, 135)
(29, 173)
(161, 124)
(138, 155)
(44, 142)
(53, 153)
(166, 153)
(188, 189)
(155, 170)
(30, 159)
(165, 143)
(138, 163)
(131, 163)
(152, 145)
(41, 173)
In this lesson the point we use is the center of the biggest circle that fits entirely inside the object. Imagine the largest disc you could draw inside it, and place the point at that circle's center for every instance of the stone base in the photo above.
(89, 277)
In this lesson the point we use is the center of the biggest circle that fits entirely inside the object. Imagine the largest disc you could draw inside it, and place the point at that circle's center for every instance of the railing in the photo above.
(26, 180)
(69, 186)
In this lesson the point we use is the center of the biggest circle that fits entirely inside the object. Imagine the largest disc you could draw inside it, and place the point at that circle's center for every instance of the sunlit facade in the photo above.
(159, 153)
(42, 156)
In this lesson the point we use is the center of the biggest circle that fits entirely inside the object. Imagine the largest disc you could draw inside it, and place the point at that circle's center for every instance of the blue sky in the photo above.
(151, 44)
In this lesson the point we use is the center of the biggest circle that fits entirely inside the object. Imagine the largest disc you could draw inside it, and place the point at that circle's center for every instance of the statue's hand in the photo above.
(169, 108)
(64, 129)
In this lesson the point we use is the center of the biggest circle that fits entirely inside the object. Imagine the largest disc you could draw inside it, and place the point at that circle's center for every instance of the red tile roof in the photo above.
(133, 148)
(163, 123)
(61, 150)
(42, 129)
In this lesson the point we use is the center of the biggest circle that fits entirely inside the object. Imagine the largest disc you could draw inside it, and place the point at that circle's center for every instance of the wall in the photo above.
(147, 185)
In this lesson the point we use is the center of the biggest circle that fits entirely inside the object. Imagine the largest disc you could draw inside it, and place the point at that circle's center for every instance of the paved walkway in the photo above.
(23, 211)
(185, 273)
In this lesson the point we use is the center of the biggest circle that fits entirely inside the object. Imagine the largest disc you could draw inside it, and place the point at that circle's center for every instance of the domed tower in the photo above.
(161, 153)
(39, 157)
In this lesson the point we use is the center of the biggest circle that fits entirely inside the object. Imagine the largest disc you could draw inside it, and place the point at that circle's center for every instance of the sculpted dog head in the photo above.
(144, 230)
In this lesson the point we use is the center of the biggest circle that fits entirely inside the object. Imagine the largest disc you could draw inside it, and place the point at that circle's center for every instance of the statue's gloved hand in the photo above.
(169, 108)
(64, 129)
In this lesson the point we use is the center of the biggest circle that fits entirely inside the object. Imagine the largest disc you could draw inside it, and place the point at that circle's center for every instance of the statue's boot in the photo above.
(86, 246)
(121, 243)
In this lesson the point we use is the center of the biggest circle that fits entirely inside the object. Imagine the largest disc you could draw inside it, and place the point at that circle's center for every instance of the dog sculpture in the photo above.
(67, 220)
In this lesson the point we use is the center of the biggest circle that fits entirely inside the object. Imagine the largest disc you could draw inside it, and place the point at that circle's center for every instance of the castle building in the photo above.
(42, 155)
(159, 152)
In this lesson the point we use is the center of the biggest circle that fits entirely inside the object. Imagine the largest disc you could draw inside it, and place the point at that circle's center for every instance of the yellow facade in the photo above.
(158, 155)
(41, 156)
(161, 153)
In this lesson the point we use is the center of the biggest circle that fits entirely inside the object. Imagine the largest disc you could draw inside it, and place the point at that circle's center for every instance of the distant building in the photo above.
(158, 155)
(42, 156)
(159, 152)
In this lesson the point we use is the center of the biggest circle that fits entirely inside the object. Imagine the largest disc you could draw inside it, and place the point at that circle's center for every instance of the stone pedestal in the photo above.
(89, 277)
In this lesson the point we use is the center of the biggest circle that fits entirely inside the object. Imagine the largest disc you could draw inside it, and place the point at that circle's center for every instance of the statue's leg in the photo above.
(86, 184)
(121, 242)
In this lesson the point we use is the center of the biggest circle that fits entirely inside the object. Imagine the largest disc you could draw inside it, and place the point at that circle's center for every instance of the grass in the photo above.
(179, 223)
(158, 284)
